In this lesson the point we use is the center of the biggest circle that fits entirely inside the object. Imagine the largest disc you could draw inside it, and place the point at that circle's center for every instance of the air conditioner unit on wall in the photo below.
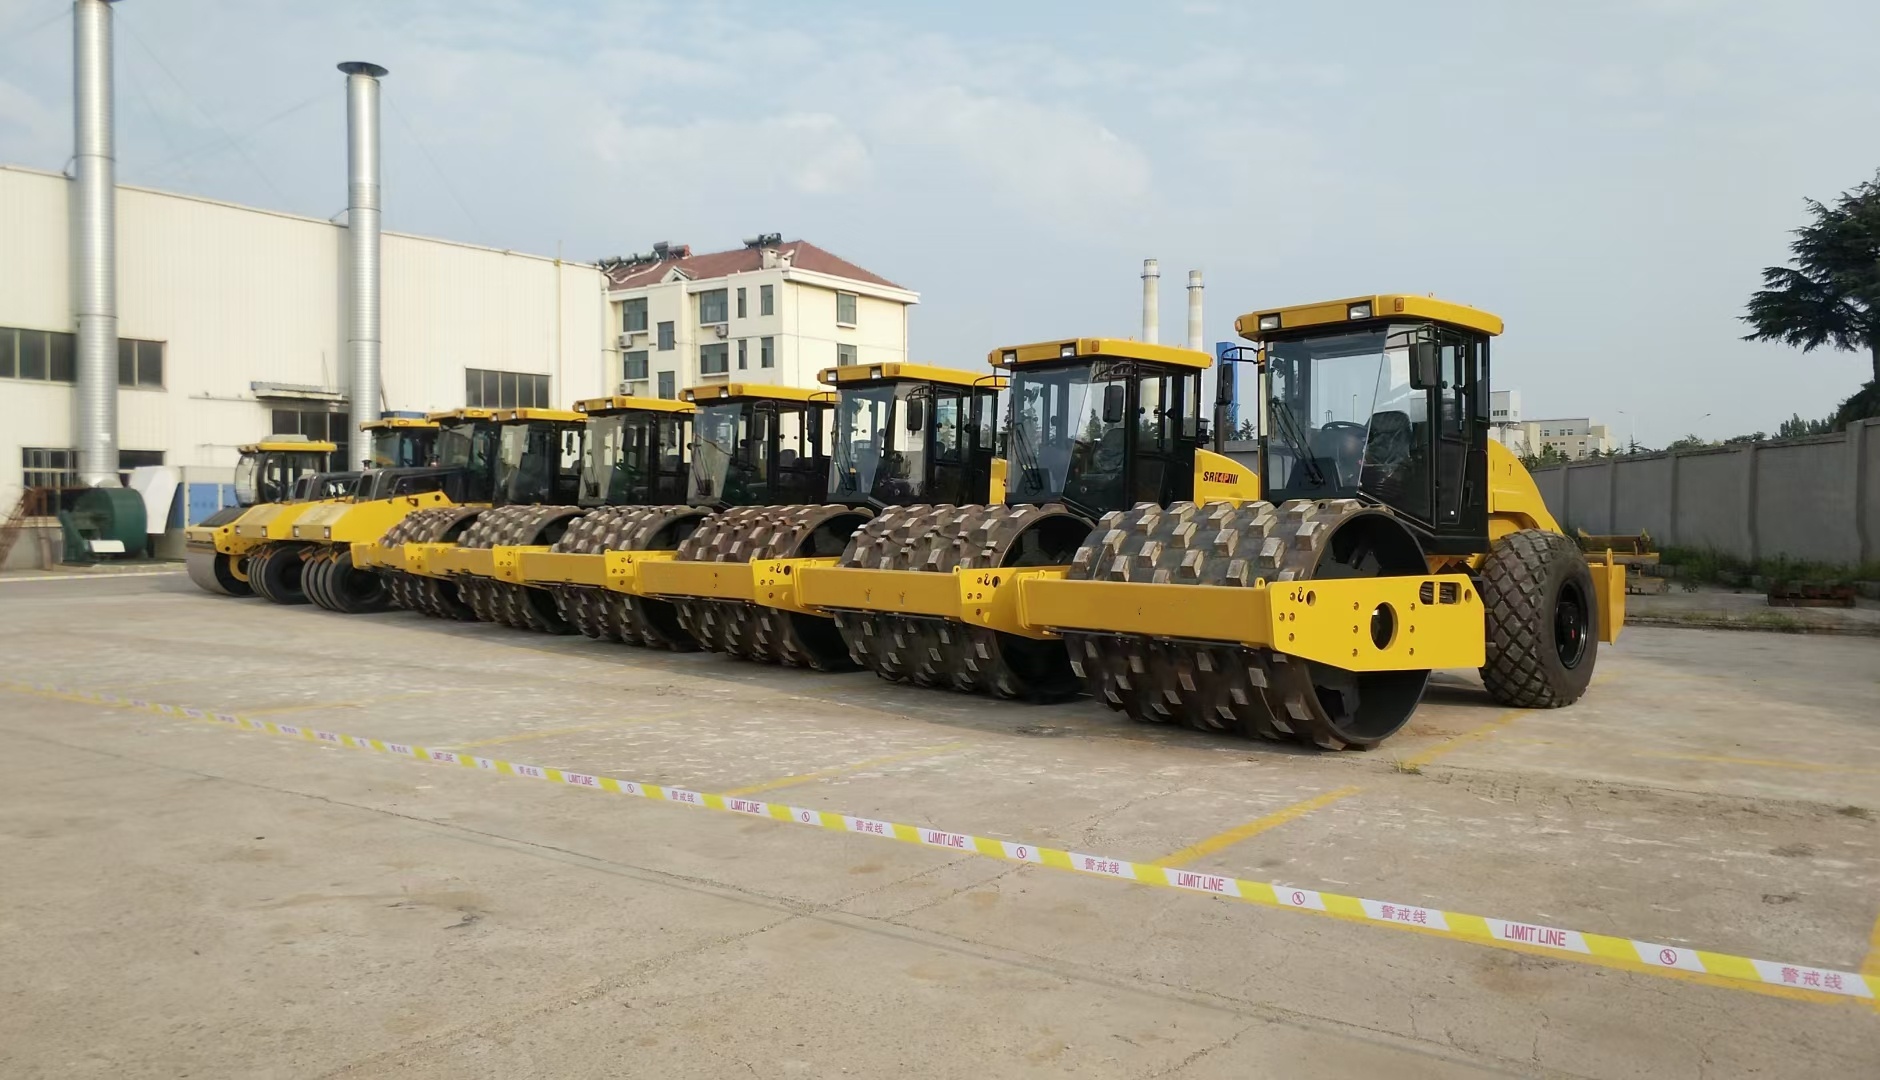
(724, 330)
(626, 339)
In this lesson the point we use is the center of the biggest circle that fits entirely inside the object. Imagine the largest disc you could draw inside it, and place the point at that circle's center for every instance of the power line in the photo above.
(200, 111)
(15, 35)
(230, 140)
(442, 176)
(157, 121)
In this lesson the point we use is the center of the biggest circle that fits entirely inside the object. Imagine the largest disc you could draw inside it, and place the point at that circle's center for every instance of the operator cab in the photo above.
(400, 442)
(1383, 399)
(1101, 424)
(637, 451)
(911, 433)
(538, 457)
(759, 445)
(269, 470)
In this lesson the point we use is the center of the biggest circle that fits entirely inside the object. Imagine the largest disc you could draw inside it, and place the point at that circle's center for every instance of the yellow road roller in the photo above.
(630, 452)
(493, 458)
(752, 445)
(903, 434)
(266, 478)
(1307, 594)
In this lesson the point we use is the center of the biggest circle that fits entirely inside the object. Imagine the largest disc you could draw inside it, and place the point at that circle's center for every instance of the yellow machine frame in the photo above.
(1316, 620)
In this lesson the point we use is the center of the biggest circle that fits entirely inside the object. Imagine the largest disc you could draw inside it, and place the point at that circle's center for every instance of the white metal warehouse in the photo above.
(232, 324)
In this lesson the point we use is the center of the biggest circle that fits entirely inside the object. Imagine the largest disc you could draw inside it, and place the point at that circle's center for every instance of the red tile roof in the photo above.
(801, 253)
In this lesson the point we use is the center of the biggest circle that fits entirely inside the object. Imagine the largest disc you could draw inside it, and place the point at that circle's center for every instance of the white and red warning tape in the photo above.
(1603, 949)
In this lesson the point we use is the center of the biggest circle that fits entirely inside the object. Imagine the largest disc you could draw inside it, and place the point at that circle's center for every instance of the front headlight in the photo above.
(1067, 349)
(1269, 322)
(1359, 311)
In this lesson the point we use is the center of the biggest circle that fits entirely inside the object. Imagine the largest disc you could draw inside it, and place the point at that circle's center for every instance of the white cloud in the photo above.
(806, 153)
(1047, 160)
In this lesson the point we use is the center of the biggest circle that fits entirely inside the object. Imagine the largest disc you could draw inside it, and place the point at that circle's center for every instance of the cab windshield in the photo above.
(269, 477)
(397, 448)
(876, 457)
(247, 477)
(1341, 414)
(1062, 446)
(465, 445)
(715, 433)
(529, 460)
(634, 458)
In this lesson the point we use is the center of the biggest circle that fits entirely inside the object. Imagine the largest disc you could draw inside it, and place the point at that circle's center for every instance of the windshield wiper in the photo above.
(1288, 427)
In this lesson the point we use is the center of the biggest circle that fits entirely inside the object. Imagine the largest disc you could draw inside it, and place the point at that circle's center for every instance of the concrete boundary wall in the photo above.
(1816, 498)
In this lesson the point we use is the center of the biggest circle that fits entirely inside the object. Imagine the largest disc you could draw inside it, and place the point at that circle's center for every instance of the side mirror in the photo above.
(1113, 403)
(916, 415)
(1424, 372)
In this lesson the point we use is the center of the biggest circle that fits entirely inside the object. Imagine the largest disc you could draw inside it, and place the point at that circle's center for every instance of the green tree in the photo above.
(1831, 295)
(1795, 427)
(1689, 442)
(1549, 455)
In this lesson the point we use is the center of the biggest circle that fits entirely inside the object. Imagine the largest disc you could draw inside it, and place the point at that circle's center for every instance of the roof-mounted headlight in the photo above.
(1269, 322)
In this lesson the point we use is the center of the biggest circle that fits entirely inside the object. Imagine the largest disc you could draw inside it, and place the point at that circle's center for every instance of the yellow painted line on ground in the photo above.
(1235, 835)
(546, 733)
(1760, 763)
(1724, 970)
(1431, 753)
(277, 710)
(824, 774)
(12, 580)
(1870, 967)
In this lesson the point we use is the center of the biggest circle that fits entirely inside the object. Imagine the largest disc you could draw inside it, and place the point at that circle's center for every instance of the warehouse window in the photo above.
(665, 337)
(711, 307)
(633, 315)
(741, 311)
(845, 354)
(316, 424)
(504, 390)
(744, 356)
(136, 459)
(636, 365)
(42, 466)
(766, 299)
(39, 355)
(140, 363)
(767, 350)
(845, 309)
(713, 359)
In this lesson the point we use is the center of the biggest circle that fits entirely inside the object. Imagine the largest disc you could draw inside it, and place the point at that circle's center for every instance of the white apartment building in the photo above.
(1504, 415)
(1576, 437)
(768, 312)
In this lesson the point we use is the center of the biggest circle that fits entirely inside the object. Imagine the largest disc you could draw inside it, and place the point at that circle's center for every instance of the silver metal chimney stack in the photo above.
(1151, 301)
(1194, 311)
(94, 210)
(362, 232)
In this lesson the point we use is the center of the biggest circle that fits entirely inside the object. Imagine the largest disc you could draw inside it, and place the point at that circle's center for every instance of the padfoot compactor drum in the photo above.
(440, 559)
(1390, 537)
(902, 434)
(753, 447)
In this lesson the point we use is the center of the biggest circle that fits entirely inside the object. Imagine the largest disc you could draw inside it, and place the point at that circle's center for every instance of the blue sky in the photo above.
(1610, 177)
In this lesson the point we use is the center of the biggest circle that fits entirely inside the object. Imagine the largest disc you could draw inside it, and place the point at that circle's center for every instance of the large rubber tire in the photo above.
(349, 591)
(278, 577)
(1541, 617)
